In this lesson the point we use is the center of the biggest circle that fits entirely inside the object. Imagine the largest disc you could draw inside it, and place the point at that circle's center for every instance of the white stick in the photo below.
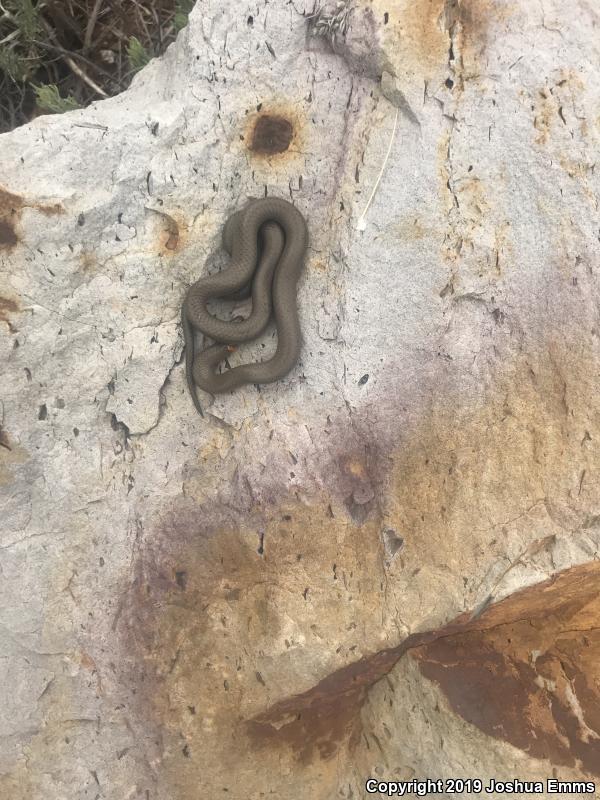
(361, 224)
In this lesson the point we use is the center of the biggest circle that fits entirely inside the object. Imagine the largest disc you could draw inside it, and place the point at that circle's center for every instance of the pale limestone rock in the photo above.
(210, 607)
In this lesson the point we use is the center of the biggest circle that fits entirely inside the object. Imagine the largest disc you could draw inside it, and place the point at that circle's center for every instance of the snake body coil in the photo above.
(267, 241)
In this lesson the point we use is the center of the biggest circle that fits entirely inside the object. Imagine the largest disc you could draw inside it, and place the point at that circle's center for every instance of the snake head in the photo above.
(231, 348)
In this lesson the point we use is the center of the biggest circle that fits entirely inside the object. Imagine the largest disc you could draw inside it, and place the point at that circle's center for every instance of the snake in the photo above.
(267, 242)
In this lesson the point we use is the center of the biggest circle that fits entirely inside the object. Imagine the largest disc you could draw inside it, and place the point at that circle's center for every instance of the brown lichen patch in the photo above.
(11, 206)
(7, 308)
(8, 237)
(9, 202)
(533, 682)
(271, 134)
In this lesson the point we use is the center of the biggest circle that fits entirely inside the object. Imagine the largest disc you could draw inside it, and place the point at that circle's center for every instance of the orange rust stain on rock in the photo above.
(419, 28)
(175, 234)
(473, 225)
(545, 111)
(171, 241)
(535, 682)
(429, 38)
(423, 31)
(11, 206)
(171, 231)
(550, 105)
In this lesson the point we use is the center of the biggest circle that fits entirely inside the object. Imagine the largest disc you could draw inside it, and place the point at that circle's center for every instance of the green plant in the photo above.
(27, 17)
(19, 26)
(182, 11)
(49, 99)
(56, 55)
(13, 65)
(19, 57)
(137, 54)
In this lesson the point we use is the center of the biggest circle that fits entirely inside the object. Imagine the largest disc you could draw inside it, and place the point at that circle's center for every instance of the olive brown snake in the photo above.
(267, 241)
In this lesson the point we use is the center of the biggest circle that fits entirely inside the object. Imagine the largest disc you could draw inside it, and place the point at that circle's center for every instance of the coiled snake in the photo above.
(267, 242)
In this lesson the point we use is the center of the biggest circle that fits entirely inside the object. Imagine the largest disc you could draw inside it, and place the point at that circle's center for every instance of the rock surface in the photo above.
(384, 565)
